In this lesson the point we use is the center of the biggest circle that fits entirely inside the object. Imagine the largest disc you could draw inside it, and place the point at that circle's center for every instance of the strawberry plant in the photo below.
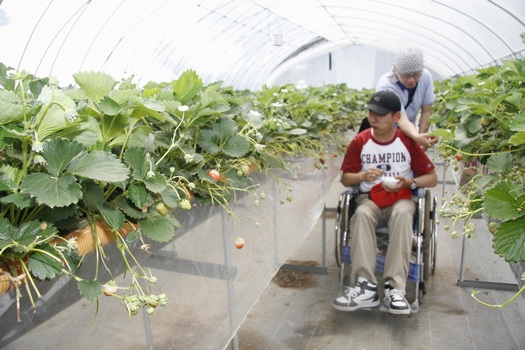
(64, 167)
(481, 120)
(108, 156)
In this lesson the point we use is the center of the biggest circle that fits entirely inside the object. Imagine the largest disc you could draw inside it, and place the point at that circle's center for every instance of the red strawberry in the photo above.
(239, 242)
(215, 174)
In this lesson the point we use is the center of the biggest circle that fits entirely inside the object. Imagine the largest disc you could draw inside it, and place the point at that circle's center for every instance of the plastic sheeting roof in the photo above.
(234, 40)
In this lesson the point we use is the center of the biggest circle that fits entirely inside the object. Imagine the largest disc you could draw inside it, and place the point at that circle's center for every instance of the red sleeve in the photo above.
(352, 160)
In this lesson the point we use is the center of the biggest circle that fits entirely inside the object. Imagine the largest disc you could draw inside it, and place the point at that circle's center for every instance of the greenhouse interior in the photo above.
(171, 172)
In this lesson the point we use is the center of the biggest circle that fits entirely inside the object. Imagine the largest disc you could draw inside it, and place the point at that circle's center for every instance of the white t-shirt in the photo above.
(400, 156)
(423, 96)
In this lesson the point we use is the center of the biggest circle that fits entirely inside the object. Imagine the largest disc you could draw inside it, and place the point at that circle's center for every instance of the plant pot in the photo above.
(86, 238)
(86, 244)
(6, 276)
(5, 282)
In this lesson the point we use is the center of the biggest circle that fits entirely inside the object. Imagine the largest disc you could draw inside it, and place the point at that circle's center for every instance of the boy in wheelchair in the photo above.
(373, 155)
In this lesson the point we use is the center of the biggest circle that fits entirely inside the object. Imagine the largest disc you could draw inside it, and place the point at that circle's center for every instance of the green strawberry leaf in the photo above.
(462, 138)
(224, 128)
(59, 213)
(53, 118)
(443, 133)
(92, 195)
(486, 180)
(138, 194)
(158, 228)
(170, 197)
(112, 216)
(157, 183)
(96, 85)
(100, 166)
(516, 99)
(136, 159)
(44, 266)
(517, 139)
(187, 86)
(509, 240)
(518, 122)
(209, 141)
(58, 153)
(110, 107)
(132, 236)
(236, 146)
(150, 108)
(52, 191)
(7, 184)
(27, 233)
(473, 124)
(91, 290)
(129, 209)
(20, 200)
(504, 201)
(6, 233)
(10, 111)
(499, 163)
(112, 126)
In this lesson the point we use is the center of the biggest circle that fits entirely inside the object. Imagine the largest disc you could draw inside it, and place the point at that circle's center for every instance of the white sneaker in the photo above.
(395, 301)
(362, 296)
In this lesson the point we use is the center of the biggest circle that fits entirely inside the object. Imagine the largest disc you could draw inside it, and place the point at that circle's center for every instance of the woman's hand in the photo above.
(426, 140)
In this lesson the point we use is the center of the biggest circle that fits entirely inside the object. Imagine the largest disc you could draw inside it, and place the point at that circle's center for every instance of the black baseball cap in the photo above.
(384, 102)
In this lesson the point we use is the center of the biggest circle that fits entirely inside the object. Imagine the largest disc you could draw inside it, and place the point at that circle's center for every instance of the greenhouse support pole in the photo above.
(274, 223)
(323, 235)
(462, 282)
(229, 281)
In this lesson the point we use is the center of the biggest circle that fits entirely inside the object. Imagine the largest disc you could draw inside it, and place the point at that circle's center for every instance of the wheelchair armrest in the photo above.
(352, 191)
(419, 192)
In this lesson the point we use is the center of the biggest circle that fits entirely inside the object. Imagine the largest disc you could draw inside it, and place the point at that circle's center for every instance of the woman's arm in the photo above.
(426, 112)
(410, 130)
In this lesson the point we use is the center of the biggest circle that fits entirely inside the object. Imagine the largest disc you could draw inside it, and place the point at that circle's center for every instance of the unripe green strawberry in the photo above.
(162, 209)
(185, 204)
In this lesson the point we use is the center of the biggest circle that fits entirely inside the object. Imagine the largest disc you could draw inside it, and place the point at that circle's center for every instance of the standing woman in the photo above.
(413, 84)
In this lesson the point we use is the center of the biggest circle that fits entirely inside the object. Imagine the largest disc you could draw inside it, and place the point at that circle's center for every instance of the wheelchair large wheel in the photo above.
(429, 236)
(345, 210)
(341, 226)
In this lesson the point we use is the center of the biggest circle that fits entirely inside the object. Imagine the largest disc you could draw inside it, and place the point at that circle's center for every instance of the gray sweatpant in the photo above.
(399, 219)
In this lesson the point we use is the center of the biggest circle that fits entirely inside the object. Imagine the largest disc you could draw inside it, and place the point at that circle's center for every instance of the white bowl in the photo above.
(389, 181)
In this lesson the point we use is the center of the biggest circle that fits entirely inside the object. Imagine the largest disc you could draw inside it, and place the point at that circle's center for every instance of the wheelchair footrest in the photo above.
(413, 269)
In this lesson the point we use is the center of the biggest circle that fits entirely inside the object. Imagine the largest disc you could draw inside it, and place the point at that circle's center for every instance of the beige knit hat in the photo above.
(409, 60)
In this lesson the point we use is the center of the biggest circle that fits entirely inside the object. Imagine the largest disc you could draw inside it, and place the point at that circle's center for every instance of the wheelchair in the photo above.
(423, 261)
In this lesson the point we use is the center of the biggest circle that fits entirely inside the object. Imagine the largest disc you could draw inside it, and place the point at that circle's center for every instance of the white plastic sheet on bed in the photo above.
(211, 285)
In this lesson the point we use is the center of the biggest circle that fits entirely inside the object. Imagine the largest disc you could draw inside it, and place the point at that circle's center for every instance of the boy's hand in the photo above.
(372, 174)
(402, 183)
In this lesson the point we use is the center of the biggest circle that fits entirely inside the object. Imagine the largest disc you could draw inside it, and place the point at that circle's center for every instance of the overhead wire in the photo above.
(28, 41)
(80, 13)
